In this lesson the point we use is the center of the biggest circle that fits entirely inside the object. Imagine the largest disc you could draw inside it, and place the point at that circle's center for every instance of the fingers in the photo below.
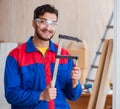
(49, 93)
(76, 73)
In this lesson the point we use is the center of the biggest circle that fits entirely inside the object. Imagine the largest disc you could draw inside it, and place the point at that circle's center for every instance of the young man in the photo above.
(29, 68)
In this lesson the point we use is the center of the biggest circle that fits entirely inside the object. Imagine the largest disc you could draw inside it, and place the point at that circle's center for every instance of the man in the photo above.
(29, 68)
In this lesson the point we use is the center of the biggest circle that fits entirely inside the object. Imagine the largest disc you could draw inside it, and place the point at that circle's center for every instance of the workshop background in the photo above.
(86, 20)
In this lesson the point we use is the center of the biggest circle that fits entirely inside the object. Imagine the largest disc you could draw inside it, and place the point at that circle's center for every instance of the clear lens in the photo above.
(45, 22)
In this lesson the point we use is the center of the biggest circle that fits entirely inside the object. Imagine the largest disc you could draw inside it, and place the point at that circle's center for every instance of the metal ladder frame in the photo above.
(98, 53)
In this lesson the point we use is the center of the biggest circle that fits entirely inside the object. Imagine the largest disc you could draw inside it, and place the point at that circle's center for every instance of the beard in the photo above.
(40, 36)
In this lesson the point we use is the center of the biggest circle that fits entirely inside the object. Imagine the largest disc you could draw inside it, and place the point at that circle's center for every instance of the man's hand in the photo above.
(48, 94)
(75, 75)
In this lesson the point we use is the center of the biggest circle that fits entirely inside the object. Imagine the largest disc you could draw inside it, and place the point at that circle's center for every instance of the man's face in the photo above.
(46, 26)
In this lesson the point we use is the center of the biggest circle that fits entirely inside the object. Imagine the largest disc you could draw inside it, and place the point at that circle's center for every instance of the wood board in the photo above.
(94, 95)
(105, 78)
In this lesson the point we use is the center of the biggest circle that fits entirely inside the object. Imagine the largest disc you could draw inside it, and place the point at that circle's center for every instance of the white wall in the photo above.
(116, 74)
(4, 50)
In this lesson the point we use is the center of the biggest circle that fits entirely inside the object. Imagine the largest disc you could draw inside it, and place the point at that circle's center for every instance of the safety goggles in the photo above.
(45, 22)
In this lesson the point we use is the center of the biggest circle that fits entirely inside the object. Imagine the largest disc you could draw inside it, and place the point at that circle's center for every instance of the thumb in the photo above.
(49, 85)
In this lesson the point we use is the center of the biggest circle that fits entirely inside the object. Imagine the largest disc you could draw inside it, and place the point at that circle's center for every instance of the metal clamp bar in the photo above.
(58, 54)
(65, 56)
(56, 64)
(70, 38)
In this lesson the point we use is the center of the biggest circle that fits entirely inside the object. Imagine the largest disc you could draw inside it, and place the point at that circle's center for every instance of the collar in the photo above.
(31, 48)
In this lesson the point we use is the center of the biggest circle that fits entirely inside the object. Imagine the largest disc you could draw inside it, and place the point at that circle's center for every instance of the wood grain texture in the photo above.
(105, 78)
(94, 95)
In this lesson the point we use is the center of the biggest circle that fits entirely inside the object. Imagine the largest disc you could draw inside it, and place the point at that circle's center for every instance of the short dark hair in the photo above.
(41, 10)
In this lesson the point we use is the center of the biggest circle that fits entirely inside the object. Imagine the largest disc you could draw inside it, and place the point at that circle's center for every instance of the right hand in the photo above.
(49, 93)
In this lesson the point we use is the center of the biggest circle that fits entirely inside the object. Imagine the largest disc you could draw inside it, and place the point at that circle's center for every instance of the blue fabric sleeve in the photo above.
(12, 84)
(72, 93)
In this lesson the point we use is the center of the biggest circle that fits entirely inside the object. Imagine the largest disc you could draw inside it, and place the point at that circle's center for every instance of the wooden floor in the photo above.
(82, 102)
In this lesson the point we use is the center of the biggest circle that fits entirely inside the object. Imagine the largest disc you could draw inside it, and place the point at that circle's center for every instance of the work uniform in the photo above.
(28, 72)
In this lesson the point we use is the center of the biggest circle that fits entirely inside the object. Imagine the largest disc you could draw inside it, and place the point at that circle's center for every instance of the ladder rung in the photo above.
(102, 39)
(109, 26)
(93, 66)
(98, 52)
(90, 80)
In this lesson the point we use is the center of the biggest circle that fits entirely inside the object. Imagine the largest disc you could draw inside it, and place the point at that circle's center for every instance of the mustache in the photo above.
(43, 30)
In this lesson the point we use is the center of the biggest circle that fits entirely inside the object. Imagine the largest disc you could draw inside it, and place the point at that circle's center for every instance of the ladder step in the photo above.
(102, 39)
(93, 66)
(90, 80)
(109, 26)
(99, 53)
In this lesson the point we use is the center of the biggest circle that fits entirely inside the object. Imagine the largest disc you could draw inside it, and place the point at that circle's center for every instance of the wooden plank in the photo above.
(94, 95)
(105, 78)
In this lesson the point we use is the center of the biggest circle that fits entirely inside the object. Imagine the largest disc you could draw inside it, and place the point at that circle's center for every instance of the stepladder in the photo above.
(94, 65)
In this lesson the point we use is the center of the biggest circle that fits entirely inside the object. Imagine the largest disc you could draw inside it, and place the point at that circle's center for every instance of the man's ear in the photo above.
(33, 23)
